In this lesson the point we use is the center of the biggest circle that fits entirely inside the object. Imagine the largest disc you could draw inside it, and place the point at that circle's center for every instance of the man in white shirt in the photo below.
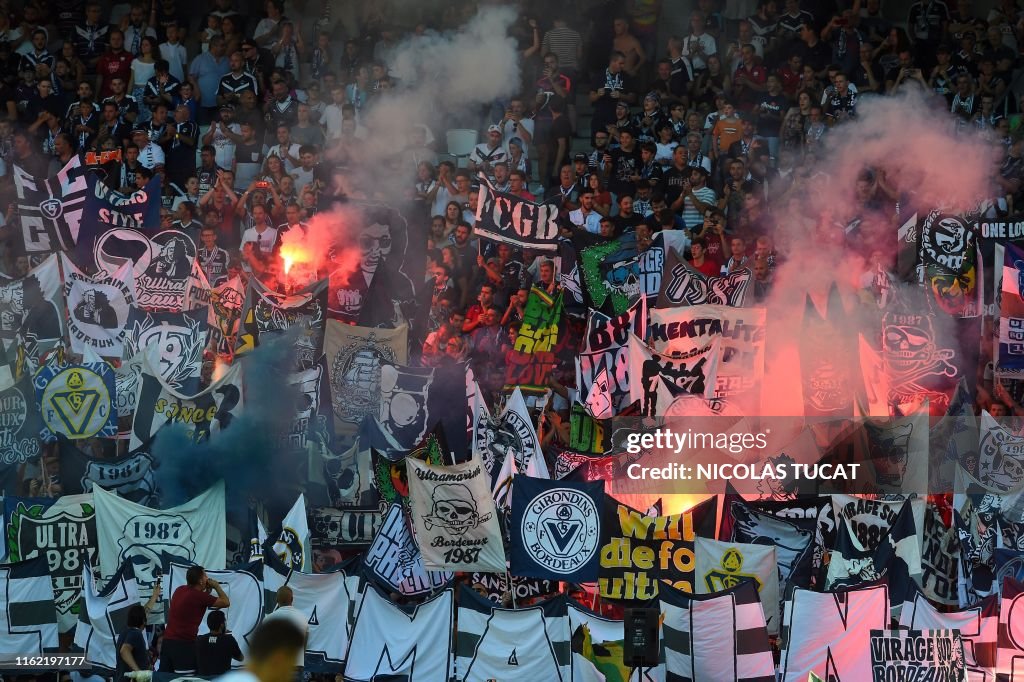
(514, 124)
(285, 149)
(331, 118)
(286, 611)
(700, 44)
(486, 154)
(585, 217)
(222, 135)
(150, 153)
(261, 234)
(174, 52)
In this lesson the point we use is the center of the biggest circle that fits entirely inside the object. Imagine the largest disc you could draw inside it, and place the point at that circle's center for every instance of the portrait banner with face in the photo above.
(33, 308)
(373, 245)
(355, 356)
(194, 531)
(50, 209)
(180, 339)
(1010, 358)
(454, 517)
(681, 284)
(98, 308)
(268, 312)
(513, 220)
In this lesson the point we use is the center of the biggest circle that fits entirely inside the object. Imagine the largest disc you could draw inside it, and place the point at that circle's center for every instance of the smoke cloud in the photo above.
(914, 150)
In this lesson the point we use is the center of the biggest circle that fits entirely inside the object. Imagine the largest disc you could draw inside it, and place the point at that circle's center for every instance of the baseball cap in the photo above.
(579, 157)
(227, 106)
(248, 42)
(494, 128)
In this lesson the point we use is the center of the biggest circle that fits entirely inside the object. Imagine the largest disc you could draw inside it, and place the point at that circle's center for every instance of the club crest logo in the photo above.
(729, 572)
(288, 548)
(560, 530)
(51, 208)
(75, 402)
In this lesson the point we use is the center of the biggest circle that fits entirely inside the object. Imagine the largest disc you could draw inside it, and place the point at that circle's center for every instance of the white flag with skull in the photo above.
(454, 517)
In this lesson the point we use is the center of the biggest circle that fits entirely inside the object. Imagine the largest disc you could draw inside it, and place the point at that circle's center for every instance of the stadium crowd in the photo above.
(257, 116)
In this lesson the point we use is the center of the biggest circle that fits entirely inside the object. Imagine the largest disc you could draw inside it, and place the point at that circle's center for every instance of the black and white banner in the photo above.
(516, 221)
(456, 523)
(162, 263)
(180, 338)
(27, 610)
(694, 373)
(355, 356)
(681, 284)
(131, 475)
(50, 209)
(394, 559)
(33, 307)
(98, 308)
(205, 413)
(917, 655)
(62, 531)
(104, 615)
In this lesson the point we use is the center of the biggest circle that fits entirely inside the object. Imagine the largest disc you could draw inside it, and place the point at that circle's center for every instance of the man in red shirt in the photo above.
(700, 263)
(188, 606)
(114, 62)
(750, 80)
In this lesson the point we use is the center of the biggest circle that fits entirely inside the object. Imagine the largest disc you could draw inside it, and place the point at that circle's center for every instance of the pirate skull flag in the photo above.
(51, 208)
(76, 401)
(32, 307)
(180, 338)
(454, 516)
(681, 284)
(98, 308)
(612, 273)
(917, 359)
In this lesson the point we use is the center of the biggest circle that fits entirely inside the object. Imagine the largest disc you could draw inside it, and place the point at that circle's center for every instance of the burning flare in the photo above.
(292, 254)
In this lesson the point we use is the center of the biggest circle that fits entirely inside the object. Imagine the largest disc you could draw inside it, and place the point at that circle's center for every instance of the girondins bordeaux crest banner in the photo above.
(76, 401)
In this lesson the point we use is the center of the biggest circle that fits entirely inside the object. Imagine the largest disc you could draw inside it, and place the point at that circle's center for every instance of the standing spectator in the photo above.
(114, 63)
(174, 52)
(285, 611)
(135, 29)
(926, 23)
(181, 151)
(236, 81)
(700, 44)
(216, 649)
(566, 44)
(609, 90)
(90, 38)
(132, 650)
(188, 604)
(205, 75)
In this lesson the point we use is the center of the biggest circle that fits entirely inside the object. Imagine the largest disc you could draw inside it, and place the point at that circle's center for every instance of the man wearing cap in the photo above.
(223, 135)
(150, 153)
(236, 81)
(486, 154)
